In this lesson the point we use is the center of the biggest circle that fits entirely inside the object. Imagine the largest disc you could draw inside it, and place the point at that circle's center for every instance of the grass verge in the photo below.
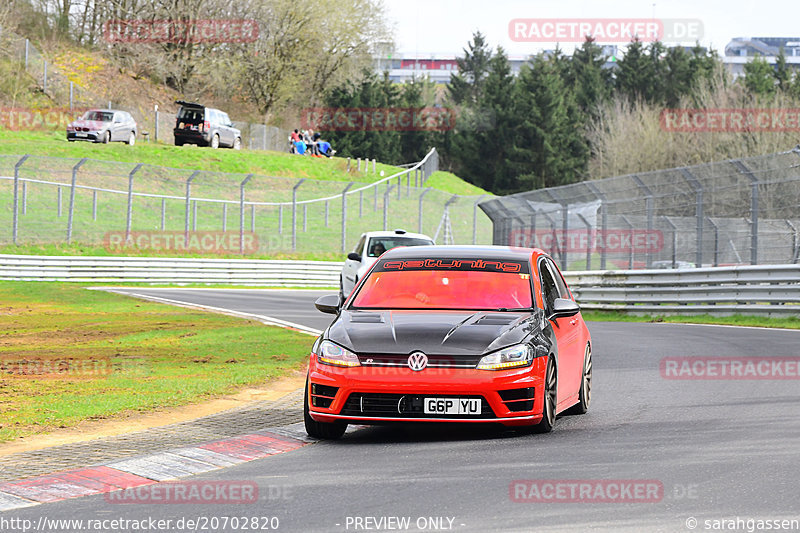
(68, 355)
(733, 320)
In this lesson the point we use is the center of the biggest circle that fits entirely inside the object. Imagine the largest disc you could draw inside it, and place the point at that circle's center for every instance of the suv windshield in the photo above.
(465, 284)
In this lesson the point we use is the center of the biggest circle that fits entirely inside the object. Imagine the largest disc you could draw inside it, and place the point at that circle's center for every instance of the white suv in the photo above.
(370, 246)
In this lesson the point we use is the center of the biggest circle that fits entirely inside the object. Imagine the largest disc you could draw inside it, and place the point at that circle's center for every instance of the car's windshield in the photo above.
(378, 245)
(100, 116)
(446, 284)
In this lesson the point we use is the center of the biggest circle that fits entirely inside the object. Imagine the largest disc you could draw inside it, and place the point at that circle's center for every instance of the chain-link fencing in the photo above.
(62, 200)
(744, 211)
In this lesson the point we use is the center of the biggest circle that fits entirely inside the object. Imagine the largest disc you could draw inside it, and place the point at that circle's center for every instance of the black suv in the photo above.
(205, 126)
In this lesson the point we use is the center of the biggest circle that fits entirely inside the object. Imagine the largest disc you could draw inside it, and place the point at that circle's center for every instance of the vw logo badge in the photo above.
(417, 361)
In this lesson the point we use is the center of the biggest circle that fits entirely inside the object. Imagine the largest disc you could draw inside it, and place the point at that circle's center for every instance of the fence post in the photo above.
(359, 164)
(294, 213)
(386, 206)
(716, 240)
(194, 215)
(224, 216)
(674, 240)
(374, 165)
(421, 196)
(27, 46)
(280, 219)
(795, 247)
(630, 227)
(648, 205)
(188, 203)
(72, 199)
(475, 219)
(698, 193)
(155, 127)
(754, 183)
(564, 227)
(588, 241)
(603, 218)
(130, 202)
(58, 201)
(344, 215)
(326, 213)
(24, 197)
(14, 210)
(94, 205)
(399, 186)
(241, 212)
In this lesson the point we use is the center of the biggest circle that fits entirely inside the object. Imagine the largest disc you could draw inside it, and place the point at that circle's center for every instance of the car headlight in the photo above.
(511, 357)
(333, 354)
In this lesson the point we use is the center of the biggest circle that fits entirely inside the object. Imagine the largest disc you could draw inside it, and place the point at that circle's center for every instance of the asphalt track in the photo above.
(721, 449)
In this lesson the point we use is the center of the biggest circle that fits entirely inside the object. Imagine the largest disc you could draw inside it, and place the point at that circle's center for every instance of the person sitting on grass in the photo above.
(299, 147)
(324, 148)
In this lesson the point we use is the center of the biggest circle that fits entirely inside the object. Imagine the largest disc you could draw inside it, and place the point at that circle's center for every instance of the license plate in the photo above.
(452, 406)
(81, 135)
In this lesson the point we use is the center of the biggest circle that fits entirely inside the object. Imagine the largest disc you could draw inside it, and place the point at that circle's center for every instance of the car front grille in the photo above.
(402, 406)
(435, 361)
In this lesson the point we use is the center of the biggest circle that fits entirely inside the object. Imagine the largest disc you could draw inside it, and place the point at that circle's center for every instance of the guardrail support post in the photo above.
(14, 209)
(698, 192)
(294, 212)
(188, 204)
(129, 215)
(344, 214)
(71, 215)
(421, 196)
(241, 212)
(754, 183)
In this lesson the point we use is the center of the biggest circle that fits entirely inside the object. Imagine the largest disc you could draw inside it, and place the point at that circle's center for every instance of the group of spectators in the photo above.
(311, 143)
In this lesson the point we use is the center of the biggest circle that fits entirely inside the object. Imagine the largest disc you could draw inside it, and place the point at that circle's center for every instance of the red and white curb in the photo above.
(149, 469)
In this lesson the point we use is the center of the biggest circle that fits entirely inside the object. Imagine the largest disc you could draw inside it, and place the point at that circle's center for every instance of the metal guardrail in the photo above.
(767, 289)
(170, 270)
(771, 290)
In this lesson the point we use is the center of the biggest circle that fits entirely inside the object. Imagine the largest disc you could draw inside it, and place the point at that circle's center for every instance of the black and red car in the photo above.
(476, 334)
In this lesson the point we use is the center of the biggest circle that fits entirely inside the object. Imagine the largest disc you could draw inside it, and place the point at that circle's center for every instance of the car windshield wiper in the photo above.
(509, 309)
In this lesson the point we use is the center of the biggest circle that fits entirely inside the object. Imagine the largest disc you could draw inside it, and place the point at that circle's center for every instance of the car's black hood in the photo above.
(433, 332)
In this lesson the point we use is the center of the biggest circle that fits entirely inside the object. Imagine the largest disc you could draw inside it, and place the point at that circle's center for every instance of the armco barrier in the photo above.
(170, 270)
(770, 290)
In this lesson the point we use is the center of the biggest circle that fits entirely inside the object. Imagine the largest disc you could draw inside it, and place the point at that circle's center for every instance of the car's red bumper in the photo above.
(368, 395)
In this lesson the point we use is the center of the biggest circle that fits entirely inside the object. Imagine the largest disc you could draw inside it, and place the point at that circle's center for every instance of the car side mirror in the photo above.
(353, 256)
(563, 307)
(328, 304)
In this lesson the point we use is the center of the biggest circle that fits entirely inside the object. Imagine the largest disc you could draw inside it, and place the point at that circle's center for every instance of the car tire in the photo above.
(585, 392)
(178, 143)
(107, 137)
(321, 430)
(550, 399)
(215, 141)
(237, 143)
(132, 138)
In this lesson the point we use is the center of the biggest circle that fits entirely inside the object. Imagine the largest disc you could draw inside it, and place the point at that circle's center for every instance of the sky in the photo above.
(443, 27)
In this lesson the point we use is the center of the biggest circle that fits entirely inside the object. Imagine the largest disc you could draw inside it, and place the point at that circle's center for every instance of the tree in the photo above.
(759, 77)
(550, 148)
(466, 87)
(634, 75)
(591, 82)
(781, 72)
(678, 77)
